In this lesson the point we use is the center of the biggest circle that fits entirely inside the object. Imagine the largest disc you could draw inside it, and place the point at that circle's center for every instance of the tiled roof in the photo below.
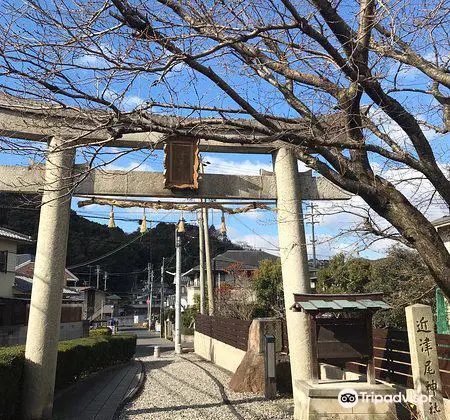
(324, 303)
(14, 236)
(248, 259)
(25, 284)
(27, 269)
(442, 221)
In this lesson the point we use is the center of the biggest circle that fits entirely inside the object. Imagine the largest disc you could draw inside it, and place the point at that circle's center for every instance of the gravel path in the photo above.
(188, 387)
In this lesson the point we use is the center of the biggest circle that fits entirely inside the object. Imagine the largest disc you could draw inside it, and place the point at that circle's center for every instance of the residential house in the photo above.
(15, 294)
(224, 267)
(8, 258)
(25, 267)
(23, 280)
(442, 225)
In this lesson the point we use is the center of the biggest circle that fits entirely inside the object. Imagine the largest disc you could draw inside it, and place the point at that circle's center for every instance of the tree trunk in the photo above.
(415, 228)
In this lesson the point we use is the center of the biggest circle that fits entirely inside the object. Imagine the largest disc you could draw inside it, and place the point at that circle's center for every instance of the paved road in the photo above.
(186, 387)
(147, 340)
(99, 395)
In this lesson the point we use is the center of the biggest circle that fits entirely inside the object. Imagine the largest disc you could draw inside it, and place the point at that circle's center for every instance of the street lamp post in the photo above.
(179, 231)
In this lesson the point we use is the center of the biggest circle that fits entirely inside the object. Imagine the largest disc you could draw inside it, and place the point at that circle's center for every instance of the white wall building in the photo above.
(8, 259)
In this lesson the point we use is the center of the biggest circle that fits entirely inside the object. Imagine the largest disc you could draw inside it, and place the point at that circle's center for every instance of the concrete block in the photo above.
(320, 401)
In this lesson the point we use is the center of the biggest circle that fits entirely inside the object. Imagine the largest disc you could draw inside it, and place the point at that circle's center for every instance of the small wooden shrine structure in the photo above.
(341, 328)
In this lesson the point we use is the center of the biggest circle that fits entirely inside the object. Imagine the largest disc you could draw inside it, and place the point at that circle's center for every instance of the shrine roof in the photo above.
(333, 302)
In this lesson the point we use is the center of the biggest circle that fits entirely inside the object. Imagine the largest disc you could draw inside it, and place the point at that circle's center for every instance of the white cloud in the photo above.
(245, 167)
(225, 166)
(268, 243)
(131, 102)
(130, 166)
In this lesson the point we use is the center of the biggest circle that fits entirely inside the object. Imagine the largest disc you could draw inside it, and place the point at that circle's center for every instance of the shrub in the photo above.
(11, 367)
(76, 358)
(95, 332)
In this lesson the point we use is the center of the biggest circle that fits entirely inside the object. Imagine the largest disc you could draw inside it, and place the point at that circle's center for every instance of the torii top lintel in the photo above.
(37, 120)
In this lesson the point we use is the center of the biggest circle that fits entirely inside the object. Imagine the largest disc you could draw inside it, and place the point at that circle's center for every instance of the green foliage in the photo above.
(268, 286)
(197, 301)
(169, 313)
(89, 240)
(11, 368)
(76, 358)
(405, 280)
(187, 320)
(344, 275)
(101, 331)
(401, 276)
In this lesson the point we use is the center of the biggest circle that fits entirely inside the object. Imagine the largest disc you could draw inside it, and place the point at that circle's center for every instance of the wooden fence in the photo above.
(228, 330)
(393, 362)
(391, 349)
(15, 312)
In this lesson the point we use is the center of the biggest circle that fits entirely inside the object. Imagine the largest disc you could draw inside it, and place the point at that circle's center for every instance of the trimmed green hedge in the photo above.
(11, 369)
(95, 332)
(76, 359)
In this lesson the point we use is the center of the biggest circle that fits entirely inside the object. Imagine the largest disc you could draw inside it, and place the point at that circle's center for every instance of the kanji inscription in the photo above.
(181, 164)
(424, 362)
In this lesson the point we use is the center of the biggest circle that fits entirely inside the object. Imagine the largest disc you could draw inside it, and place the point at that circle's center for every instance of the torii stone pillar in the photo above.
(294, 261)
(49, 278)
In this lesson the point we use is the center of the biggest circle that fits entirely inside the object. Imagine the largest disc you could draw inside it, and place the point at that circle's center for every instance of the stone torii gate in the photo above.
(60, 179)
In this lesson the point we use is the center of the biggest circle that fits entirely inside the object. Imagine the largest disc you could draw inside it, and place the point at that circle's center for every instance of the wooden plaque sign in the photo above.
(181, 162)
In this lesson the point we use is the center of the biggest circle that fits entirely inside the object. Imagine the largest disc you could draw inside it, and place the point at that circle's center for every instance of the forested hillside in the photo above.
(89, 240)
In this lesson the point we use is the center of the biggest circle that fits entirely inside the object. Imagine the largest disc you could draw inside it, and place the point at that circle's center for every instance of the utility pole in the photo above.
(177, 338)
(105, 278)
(201, 254)
(313, 240)
(161, 305)
(209, 277)
(97, 269)
(150, 298)
(90, 274)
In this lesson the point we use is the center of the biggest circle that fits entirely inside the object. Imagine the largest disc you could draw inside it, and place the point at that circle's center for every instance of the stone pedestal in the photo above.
(320, 401)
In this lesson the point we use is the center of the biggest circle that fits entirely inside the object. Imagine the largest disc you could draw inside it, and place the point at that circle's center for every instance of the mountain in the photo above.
(89, 240)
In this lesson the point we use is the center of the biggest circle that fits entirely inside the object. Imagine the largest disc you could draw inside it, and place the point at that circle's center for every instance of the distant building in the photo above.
(442, 225)
(224, 267)
(8, 259)
(26, 268)
(95, 304)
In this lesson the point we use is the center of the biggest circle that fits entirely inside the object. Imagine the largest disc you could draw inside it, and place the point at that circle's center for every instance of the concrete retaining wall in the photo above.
(17, 334)
(125, 321)
(216, 351)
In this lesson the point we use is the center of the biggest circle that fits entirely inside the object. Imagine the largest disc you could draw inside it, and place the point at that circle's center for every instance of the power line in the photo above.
(109, 253)
(277, 248)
